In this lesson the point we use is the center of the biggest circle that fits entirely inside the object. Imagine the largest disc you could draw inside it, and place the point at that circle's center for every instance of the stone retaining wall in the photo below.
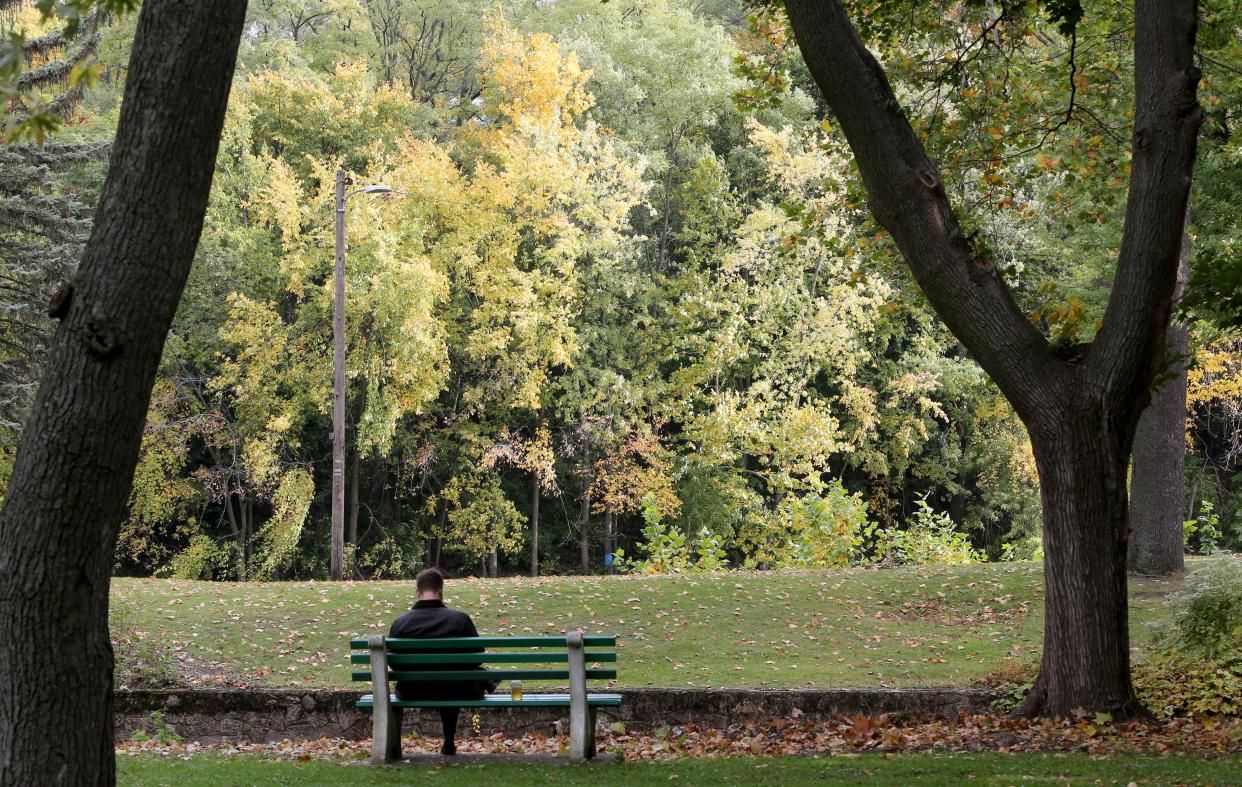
(212, 716)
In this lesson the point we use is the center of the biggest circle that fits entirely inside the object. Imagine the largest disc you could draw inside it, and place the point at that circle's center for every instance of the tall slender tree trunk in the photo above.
(609, 522)
(234, 524)
(75, 465)
(672, 163)
(247, 512)
(584, 516)
(354, 503)
(433, 534)
(534, 525)
(1158, 469)
(351, 427)
(584, 540)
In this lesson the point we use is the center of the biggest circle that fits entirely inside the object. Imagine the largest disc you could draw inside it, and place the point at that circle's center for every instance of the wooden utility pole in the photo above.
(338, 387)
(337, 561)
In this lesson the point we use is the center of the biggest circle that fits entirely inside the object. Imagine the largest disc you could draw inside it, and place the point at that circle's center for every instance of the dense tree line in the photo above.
(601, 293)
(630, 283)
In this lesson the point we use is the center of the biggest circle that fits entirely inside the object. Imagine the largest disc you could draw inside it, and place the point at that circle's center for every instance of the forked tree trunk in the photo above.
(75, 464)
(1079, 404)
(1086, 646)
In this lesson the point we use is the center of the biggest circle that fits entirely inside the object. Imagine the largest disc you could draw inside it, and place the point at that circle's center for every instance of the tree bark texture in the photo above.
(1086, 648)
(1080, 409)
(75, 464)
(1158, 468)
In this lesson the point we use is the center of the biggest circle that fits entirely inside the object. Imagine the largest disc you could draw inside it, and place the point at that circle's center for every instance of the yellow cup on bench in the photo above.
(515, 690)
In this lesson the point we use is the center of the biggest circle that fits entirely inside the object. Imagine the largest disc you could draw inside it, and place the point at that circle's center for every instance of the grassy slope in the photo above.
(907, 627)
(871, 769)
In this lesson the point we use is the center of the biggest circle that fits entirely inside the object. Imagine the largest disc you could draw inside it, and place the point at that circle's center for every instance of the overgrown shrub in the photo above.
(1202, 535)
(157, 729)
(931, 538)
(388, 558)
(1207, 614)
(826, 530)
(1196, 666)
(1029, 548)
(140, 662)
(203, 558)
(1172, 684)
(667, 550)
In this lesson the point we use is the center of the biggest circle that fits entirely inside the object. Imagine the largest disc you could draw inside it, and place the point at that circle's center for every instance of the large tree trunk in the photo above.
(1080, 406)
(1158, 469)
(1086, 648)
(76, 460)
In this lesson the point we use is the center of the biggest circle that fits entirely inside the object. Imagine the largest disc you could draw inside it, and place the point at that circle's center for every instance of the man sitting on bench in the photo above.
(429, 618)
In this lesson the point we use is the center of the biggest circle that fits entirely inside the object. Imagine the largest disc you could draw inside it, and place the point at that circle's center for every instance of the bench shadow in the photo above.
(440, 760)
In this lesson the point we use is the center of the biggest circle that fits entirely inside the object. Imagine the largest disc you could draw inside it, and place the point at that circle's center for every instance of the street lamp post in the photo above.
(337, 565)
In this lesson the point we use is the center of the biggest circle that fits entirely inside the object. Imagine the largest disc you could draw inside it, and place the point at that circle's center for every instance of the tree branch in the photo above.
(1129, 349)
(908, 199)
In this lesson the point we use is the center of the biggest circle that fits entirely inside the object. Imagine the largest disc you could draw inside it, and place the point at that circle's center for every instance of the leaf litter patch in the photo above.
(1095, 735)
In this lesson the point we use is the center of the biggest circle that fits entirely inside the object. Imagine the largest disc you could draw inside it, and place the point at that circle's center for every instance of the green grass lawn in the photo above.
(871, 769)
(903, 627)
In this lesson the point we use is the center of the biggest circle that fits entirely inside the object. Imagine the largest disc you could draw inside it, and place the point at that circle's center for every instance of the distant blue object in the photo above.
(608, 559)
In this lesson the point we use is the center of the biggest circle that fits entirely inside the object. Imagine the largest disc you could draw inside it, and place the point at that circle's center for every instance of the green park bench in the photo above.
(391, 660)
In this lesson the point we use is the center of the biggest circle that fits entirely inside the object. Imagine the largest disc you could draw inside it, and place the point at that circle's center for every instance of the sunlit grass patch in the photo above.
(900, 627)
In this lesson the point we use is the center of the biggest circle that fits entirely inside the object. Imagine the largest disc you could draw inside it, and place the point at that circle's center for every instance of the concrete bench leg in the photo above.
(581, 715)
(385, 719)
(385, 733)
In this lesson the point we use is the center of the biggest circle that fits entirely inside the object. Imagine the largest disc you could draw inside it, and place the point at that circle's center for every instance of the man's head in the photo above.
(430, 584)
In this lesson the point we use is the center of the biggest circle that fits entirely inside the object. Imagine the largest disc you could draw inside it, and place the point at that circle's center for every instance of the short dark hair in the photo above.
(430, 581)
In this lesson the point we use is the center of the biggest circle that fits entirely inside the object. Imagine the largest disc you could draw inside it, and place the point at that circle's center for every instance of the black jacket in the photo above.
(433, 620)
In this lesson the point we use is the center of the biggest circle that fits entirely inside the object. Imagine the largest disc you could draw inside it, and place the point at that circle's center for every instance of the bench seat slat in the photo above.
(498, 701)
(491, 674)
(482, 658)
(449, 643)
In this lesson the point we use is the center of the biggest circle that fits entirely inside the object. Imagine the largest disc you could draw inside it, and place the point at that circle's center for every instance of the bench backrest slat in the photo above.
(491, 674)
(482, 658)
(395, 645)
(423, 659)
